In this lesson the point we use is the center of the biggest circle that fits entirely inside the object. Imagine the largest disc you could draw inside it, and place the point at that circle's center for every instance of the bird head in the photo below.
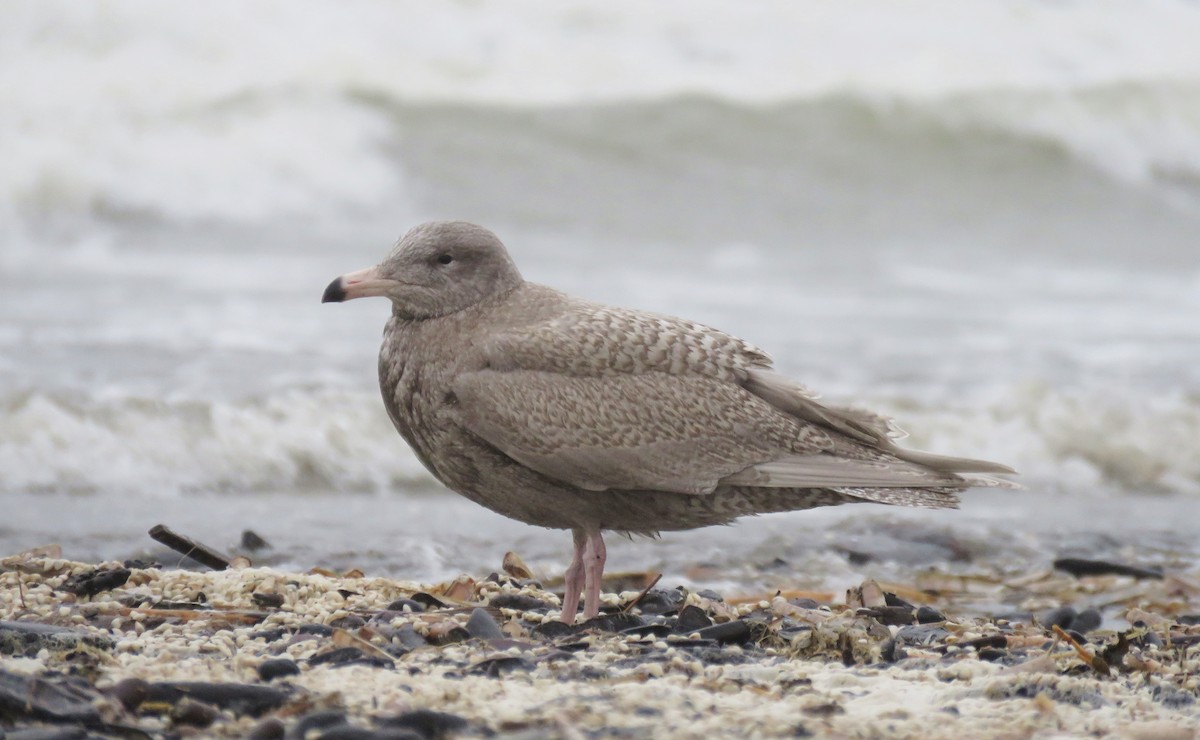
(436, 269)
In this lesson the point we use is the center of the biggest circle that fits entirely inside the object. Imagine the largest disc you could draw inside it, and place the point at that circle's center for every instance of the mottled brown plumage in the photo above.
(569, 414)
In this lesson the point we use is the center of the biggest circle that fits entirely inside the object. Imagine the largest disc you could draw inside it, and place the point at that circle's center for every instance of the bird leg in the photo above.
(573, 579)
(594, 555)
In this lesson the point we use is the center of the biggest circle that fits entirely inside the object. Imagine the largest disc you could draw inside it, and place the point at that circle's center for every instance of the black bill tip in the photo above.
(334, 292)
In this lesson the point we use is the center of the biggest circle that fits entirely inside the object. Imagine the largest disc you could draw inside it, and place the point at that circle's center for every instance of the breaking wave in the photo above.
(341, 441)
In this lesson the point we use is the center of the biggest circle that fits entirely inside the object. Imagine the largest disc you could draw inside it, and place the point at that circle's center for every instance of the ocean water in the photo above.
(980, 218)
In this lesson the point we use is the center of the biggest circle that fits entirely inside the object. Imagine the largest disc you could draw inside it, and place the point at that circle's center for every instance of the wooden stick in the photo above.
(189, 548)
(638, 599)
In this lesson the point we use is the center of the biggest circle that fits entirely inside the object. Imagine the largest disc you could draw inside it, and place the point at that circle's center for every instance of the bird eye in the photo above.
(445, 259)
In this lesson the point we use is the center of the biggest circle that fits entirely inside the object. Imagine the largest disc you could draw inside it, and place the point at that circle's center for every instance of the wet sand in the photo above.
(126, 649)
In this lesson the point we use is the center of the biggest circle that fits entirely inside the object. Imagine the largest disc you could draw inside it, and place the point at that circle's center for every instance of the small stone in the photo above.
(552, 630)
(891, 599)
(691, 618)
(409, 637)
(1087, 620)
(96, 581)
(891, 615)
(735, 632)
(252, 541)
(428, 601)
(130, 692)
(929, 615)
(482, 626)
(399, 605)
(238, 698)
(318, 721)
(426, 723)
(267, 600)
(1062, 617)
(269, 670)
(497, 666)
(193, 713)
(271, 728)
(349, 656)
(348, 622)
(612, 622)
(520, 602)
(661, 601)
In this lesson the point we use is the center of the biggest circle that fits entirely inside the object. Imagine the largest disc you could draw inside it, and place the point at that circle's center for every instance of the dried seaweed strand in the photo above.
(1095, 661)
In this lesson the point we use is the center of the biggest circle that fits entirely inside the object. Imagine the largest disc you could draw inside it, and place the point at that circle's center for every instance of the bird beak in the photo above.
(358, 284)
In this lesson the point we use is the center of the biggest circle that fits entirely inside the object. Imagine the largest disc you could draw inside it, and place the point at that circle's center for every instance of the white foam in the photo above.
(1077, 442)
(291, 442)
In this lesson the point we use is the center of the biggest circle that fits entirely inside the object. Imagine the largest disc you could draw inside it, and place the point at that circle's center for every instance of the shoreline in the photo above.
(483, 657)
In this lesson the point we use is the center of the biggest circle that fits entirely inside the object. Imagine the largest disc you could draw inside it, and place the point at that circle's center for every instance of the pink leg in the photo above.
(594, 554)
(573, 580)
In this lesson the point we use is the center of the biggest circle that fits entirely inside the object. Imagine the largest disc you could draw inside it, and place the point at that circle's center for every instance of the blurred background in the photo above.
(980, 218)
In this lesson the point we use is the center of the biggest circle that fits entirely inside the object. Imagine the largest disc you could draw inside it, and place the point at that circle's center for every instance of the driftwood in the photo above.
(190, 548)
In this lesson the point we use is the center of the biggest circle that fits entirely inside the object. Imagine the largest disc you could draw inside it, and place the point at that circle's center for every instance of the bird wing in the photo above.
(606, 398)
(634, 432)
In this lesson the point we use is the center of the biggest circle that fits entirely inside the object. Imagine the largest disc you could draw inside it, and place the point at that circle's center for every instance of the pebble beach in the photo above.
(136, 649)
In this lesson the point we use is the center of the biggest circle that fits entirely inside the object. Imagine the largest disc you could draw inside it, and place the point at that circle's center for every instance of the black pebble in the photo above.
(193, 713)
(890, 615)
(1086, 621)
(1062, 617)
(1083, 567)
(276, 668)
(96, 581)
(737, 632)
(892, 599)
(348, 622)
(992, 654)
(709, 594)
(350, 656)
(612, 622)
(399, 604)
(322, 630)
(271, 728)
(661, 601)
(456, 634)
(500, 665)
(409, 637)
(552, 630)
(691, 618)
(519, 601)
(425, 723)
(267, 600)
(658, 629)
(252, 541)
(481, 625)
(429, 601)
(131, 692)
(238, 698)
(318, 721)
(929, 615)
